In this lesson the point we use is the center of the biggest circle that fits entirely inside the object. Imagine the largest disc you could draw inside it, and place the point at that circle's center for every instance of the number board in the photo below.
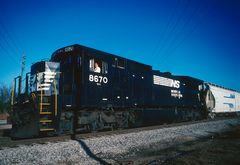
(98, 79)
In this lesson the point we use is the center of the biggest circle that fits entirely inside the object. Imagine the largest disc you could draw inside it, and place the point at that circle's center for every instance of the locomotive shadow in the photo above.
(90, 153)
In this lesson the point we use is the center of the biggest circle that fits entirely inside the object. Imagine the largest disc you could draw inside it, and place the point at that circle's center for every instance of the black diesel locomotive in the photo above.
(83, 89)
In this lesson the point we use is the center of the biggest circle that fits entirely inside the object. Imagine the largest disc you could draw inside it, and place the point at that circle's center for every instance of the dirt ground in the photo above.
(220, 149)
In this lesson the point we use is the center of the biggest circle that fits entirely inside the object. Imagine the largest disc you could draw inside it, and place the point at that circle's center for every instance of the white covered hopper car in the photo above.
(221, 100)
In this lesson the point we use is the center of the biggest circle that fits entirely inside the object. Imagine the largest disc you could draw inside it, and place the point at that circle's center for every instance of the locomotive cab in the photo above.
(99, 88)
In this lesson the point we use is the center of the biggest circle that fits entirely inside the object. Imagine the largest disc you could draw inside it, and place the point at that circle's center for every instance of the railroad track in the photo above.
(6, 141)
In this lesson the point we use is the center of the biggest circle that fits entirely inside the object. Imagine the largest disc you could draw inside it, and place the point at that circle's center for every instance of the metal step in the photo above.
(47, 129)
(45, 121)
(45, 113)
(45, 104)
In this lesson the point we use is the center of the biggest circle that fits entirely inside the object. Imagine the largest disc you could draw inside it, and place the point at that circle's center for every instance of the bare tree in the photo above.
(5, 98)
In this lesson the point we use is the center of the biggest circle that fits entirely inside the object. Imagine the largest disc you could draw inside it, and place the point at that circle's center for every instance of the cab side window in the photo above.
(120, 63)
(98, 66)
(104, 67)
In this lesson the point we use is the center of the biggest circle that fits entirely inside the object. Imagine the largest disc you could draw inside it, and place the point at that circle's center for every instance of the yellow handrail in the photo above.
(41, 100)
(55, 92)
(13, 91)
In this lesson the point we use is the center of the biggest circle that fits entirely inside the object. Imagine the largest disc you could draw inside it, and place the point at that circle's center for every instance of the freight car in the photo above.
(223, 101)
(83, 89)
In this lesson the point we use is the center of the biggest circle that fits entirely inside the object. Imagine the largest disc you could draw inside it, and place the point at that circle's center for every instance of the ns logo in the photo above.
(175, 84)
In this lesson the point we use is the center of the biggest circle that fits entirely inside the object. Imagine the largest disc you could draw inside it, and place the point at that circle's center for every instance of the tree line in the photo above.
(5, 98)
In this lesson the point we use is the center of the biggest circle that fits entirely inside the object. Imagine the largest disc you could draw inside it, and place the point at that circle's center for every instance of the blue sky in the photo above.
(199, 38)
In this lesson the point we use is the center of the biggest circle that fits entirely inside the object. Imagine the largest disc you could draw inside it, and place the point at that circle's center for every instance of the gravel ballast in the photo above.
(110, 149)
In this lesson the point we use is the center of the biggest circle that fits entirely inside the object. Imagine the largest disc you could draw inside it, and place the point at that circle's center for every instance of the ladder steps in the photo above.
(45, 113)
(45, 121)
(47, 109)
(45, 104)
(39, 94)
(47, 129)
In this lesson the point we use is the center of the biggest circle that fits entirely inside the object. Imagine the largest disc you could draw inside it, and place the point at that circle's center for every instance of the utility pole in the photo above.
(22, 71)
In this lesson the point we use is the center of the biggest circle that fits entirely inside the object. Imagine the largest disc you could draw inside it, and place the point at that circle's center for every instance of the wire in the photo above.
(8, 43)
(10, 56)
(174, 31)
(175, 25)
(11, 44)
(180, 31)
(159, 42)
(189, 34)
(12, 39)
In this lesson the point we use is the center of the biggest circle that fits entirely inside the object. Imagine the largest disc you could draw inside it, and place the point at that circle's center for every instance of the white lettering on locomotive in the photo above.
(157, 80)
(176, 94)
(98, 79)
(175, 83)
